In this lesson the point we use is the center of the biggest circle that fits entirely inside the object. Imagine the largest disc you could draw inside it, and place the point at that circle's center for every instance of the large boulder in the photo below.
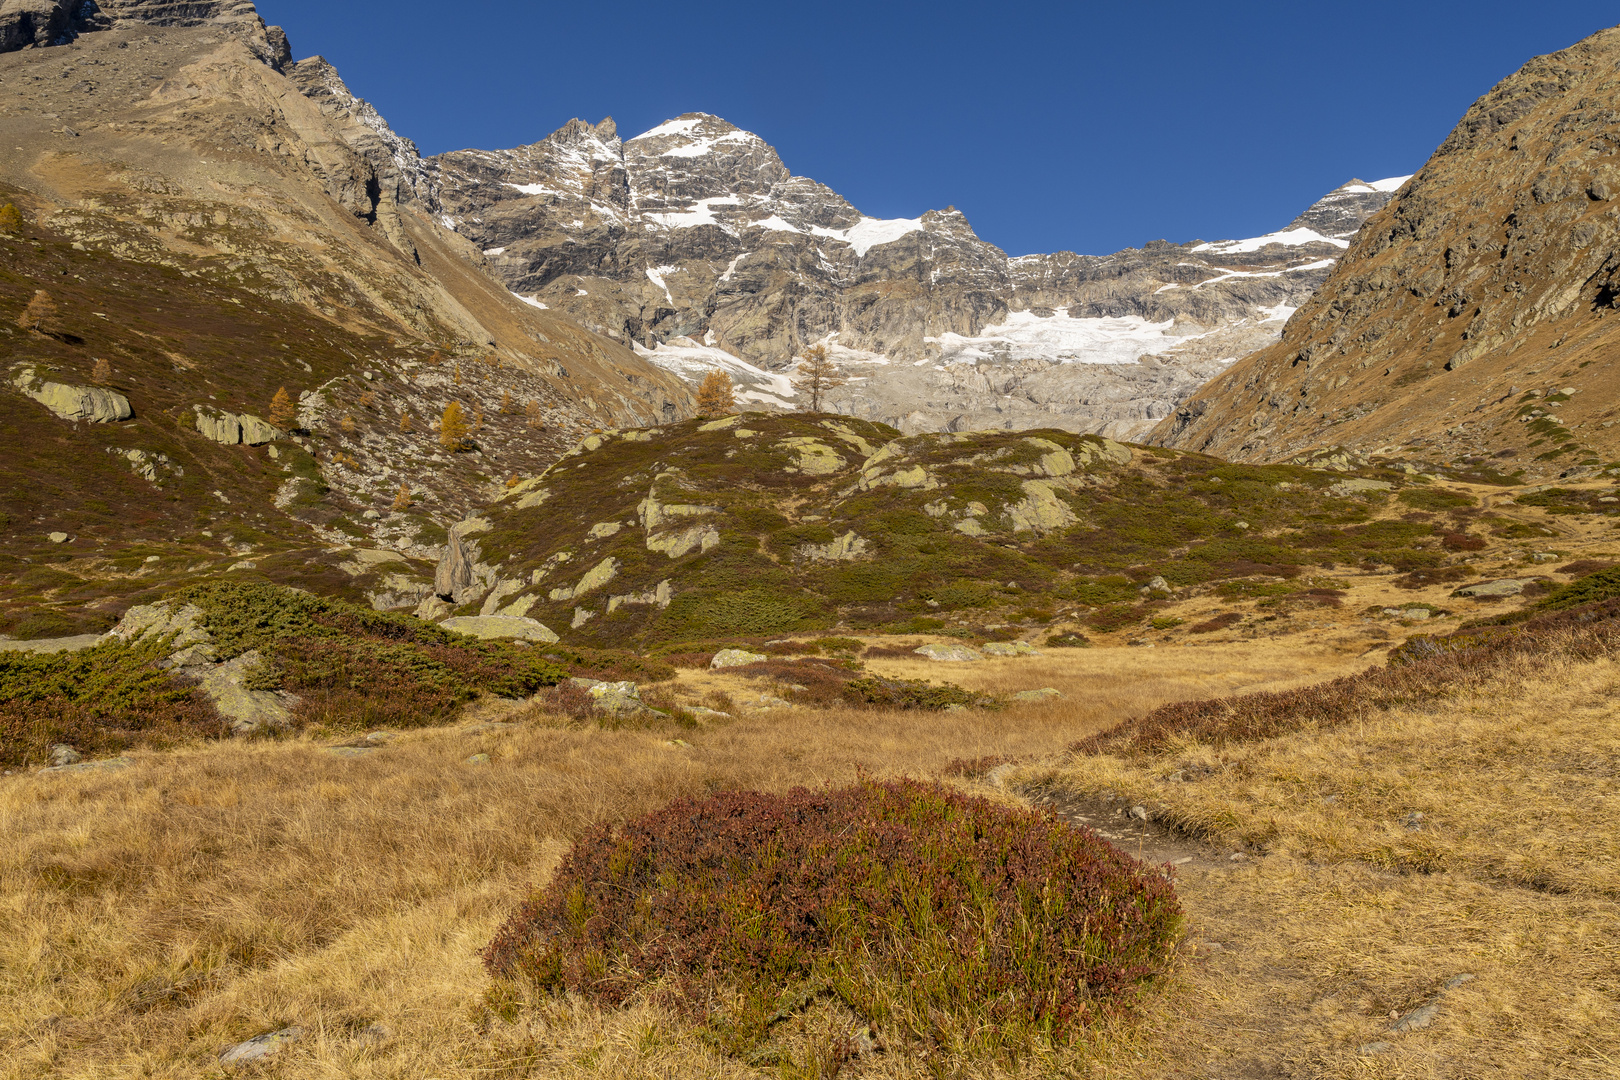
(736, 658)
(93, 404)
(494, 627)
(617, 698)
(1501, 587)
(230, 428)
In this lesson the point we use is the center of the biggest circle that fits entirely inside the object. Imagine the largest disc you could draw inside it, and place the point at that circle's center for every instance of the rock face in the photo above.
(91, 404)
(231, 428)
(694, 243)
(1491, 279)
(492, 627)
(39, 23)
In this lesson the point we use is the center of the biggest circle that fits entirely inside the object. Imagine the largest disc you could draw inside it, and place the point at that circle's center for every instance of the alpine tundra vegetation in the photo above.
(611, 608)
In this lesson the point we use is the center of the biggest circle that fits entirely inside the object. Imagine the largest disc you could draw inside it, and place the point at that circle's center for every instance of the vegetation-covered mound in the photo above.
(766, 525)
(932, 915)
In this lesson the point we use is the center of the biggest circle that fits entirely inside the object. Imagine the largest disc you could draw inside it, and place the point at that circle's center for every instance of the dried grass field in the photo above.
(153, 915)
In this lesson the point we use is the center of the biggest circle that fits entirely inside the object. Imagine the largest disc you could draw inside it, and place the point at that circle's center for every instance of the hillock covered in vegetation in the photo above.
(769, 524)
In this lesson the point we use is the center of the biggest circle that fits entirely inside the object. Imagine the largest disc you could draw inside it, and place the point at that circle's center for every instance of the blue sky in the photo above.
(1083, 126)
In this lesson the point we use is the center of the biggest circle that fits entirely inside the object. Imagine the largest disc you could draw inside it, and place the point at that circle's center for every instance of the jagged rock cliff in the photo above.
(694, 242)
(1474, 316)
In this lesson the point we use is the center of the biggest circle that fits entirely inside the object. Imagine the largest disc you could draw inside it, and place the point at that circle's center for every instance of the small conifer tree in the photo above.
(714, 396)
(458, 372)
(478, 417)
(39, 313)
(506, 403)
(402, 499)
(102, 372)
(11, 219)
(368, 400)
(453, 428)
(817, 374)
(405, 425)
(532, 412)
(283, 413)
(347, 425)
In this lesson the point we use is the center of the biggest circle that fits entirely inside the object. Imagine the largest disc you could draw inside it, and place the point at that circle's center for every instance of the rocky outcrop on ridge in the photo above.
(1473, 318)
(695, 243)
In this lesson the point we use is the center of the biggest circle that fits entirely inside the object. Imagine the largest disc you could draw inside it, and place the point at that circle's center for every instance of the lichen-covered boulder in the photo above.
(493, 627)
(1010, 648)
(949, 654)
(736, 658)
(92, 404)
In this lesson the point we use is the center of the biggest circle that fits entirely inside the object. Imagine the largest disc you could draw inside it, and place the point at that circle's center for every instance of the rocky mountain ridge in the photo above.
(697, 245)
(1472, 319)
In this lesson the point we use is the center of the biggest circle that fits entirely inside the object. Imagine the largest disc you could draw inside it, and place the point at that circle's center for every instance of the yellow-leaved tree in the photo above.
(453, 428)
(715, 396)
(39, 314)
(283, 413)
(817, 374)
(11, 219)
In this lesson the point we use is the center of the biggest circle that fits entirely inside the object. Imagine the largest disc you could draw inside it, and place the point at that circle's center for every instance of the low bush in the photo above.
(1462, 542)
(938, 918)
(913, 694)
(1069, 640)
(1438, 575)
(1582, 567)
(1220, 622)
(1593, 588)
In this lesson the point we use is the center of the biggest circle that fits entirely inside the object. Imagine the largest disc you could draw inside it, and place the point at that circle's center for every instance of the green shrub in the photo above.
(912, 694)
(1069, 640)
(745, 611)
(981, 928)
(104, 699)
(1603, 585)
(1435, 499)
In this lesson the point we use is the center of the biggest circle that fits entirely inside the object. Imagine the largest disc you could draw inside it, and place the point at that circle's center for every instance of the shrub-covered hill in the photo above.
(764, 524)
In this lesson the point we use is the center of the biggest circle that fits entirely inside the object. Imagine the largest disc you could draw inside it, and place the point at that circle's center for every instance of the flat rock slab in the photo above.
(1502, 587)
(1046, 693)
(493, 627)
(52, 645)
(259, 1047)
(105, 765)
(950, 654)
(736, 658)
(1010, 648)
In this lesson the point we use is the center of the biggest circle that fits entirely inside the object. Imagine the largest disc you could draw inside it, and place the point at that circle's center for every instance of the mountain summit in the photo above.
(696, 244)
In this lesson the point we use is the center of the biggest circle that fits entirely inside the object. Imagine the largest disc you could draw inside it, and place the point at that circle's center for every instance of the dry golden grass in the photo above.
(151, 916)
(1344, 912)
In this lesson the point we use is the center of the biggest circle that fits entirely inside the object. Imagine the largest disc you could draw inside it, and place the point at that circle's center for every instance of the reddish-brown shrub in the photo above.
(1582, 567)
(1462, 542)
(928, 913)
(1437, 575)
(1219, 622)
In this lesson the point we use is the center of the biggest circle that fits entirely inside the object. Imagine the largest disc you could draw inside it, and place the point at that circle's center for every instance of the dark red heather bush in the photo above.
(932, 914)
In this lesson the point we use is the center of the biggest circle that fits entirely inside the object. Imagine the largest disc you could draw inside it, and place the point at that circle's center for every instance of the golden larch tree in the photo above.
(715, 396)
(101, 373)
(283, 413)
(402, 498)
(347, 424)
(11, 219)
(405, 425)
(534, 419)
(817, 374)
(39, 314)
(453, 428)
(506, 403)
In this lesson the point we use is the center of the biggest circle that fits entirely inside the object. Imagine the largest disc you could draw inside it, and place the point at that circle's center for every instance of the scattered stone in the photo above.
(707, 714)
(90, 766)
(1010, 648)
(58, 538)
(478, 759)
(735, 658)
(617, 698)
(949, 654)
(496, 627)
(1158, 584)
(1357, 486)
(1379, 1047)
(1414, 821)
(1140, 643)
(1140, 813)
(1545, 556)
(581, 617)
(63, 754)
(1500, 587)
(1424, 1015)
(1046, 693)
(248, 710)
(259, 1047)
(351, 751)
(1407, 613)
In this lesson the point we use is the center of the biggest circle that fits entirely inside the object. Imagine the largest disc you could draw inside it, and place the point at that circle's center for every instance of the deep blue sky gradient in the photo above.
(1082, 126)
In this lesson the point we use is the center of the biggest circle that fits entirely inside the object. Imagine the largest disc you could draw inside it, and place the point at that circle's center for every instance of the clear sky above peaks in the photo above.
(1082, 126)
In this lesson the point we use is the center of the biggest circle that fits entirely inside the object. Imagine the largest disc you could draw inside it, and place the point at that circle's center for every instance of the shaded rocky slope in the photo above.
(1472, 318)
(695, 243)
(764, 524)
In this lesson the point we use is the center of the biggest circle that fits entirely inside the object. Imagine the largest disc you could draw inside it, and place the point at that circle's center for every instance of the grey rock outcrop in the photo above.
(457, 575)
(38, 23)
(259, 1047)
(231, 428)
(91, 404)
(726, 658)
(950, 654)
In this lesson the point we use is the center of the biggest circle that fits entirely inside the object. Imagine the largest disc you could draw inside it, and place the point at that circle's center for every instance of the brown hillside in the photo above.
(1492, 279)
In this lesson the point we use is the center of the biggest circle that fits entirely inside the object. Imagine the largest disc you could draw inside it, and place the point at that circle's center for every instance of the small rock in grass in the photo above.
(1140, 813)
(259, 1047)
(1414, 821)
(618, 698)
(478, 759)
(736, 658)
(1379, 1047)
(62, 754)
(950, 654)
(1043, 694)
(711, 714)
(1010, 648)
(90, 766)
(59, 537)
(1501, 587)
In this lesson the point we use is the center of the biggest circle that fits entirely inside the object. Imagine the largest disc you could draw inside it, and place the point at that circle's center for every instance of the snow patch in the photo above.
(1320, 264)
(871, 232)
(1287, 238)
(670, 127)
(531, 189)
(691, 361)
(531, 301)
(700, 214)
(1058, 338)
(656, 276)
(495, 251)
